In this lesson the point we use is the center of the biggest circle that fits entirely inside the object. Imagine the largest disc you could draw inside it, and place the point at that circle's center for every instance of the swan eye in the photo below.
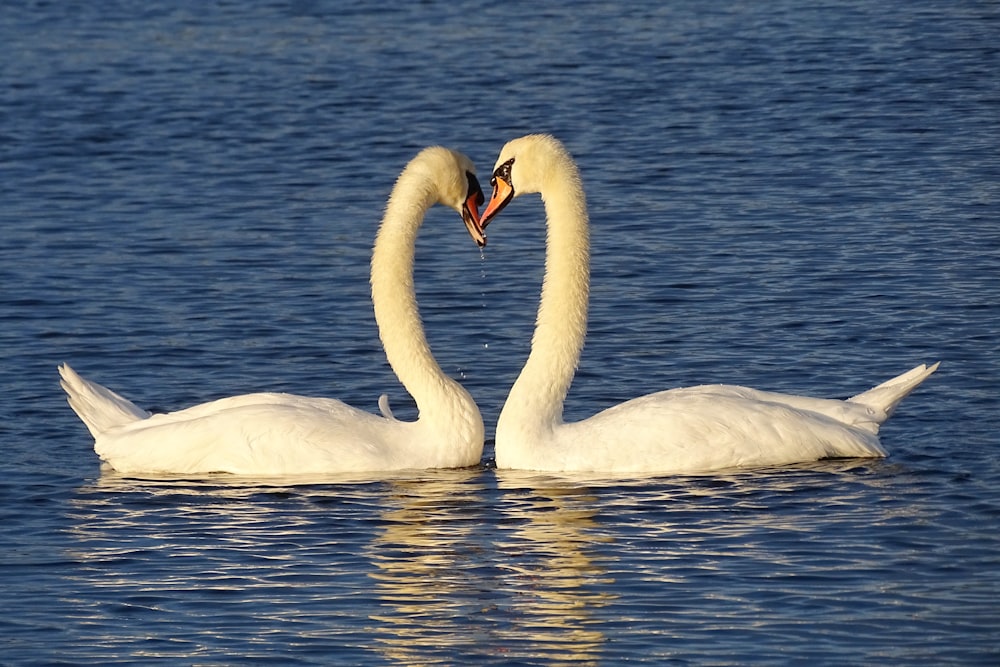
(502, 172)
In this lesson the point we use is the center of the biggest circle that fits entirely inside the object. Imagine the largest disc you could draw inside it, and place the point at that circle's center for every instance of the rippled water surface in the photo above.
(796, 198)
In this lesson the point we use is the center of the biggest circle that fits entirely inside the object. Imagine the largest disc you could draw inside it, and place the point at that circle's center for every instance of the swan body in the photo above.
(693, 429)
(281, 434)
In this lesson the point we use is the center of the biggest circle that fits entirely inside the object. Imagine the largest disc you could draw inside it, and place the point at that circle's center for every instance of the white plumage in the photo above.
(281, 434)
(694, 429)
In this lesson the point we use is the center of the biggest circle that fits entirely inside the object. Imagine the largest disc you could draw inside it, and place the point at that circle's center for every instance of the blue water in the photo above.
(793, 196)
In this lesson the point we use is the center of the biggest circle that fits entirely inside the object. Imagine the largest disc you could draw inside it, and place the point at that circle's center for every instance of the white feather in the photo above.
(694, 429)
(280, 434)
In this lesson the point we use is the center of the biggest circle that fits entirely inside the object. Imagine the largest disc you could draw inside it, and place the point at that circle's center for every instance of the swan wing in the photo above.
(698, 429)
(260, 434)
(855, 415)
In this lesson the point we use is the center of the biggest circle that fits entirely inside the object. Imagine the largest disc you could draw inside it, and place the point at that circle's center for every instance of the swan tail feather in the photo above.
(383, 406)
(886, 396)
(98, 407)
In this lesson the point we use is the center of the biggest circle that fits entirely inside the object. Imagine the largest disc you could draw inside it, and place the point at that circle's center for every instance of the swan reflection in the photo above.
(428, 566)
(259, 566)
(455, 567)
(556, 572)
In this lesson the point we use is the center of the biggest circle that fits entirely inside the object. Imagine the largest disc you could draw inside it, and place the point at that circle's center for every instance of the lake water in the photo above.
(796, 197)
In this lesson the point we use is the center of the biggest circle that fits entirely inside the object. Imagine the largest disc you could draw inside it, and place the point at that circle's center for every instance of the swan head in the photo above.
(525, 165)
(453, 175)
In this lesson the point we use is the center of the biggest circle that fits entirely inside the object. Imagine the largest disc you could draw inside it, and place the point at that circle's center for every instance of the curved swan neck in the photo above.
(401, 331)
(561, 323)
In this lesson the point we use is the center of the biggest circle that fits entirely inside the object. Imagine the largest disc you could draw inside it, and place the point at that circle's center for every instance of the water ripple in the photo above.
(799, 198)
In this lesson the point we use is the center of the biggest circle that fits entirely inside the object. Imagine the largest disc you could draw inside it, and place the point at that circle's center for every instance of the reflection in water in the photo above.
(476, 567)
(548, 546)
(224, 566)
(427, 568)
(419, 569)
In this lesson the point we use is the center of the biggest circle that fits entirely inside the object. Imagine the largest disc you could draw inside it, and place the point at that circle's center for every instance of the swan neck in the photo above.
(438, 397)
(561, 322)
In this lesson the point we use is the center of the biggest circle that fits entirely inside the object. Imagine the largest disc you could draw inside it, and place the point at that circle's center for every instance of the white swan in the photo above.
(280, 434)
(694, 429)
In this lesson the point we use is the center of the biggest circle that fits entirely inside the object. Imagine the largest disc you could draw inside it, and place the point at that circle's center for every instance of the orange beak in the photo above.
(470, 216)
(503, 192)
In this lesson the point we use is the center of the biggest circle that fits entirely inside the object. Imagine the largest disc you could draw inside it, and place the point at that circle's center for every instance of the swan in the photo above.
(282, 434)
(687, 430)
